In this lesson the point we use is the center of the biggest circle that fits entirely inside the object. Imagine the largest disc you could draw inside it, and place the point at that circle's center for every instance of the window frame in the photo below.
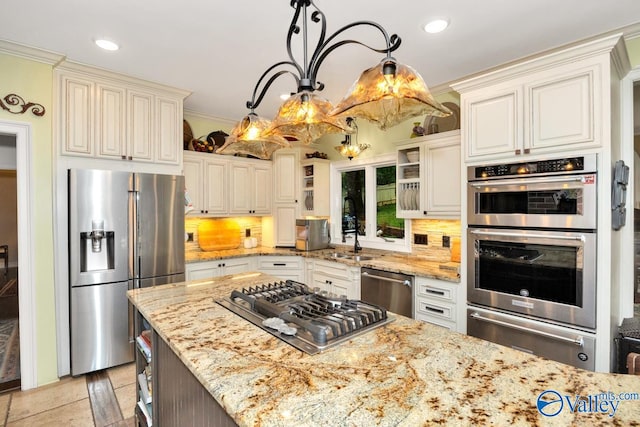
(370, 240)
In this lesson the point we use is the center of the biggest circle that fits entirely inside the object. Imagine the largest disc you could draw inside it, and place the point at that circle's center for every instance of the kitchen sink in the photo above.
(342, 255)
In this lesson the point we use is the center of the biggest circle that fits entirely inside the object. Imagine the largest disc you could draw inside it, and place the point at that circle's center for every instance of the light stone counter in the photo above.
(384, 260)
(408, 373)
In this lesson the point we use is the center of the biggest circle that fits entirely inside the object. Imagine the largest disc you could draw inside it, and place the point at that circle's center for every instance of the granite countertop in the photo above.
(407, 373)
(383, 260)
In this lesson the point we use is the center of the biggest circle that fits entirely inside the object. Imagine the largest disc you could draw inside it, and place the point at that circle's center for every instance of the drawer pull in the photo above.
(435, 310)
(279, 264)
(434, 291)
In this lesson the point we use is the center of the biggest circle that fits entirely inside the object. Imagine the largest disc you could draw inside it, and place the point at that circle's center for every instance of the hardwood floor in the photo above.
(101, 399)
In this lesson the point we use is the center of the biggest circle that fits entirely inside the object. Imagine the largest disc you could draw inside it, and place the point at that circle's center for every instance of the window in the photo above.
(368, 204)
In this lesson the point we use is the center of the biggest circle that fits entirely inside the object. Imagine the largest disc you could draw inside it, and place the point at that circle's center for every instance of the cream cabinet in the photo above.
(315, 187)
(221, 267)
(554, 103)
(435, 302)
(105, 115)
(428, 176)
(283, 267)
(226, 185)
(206, 181)
(250, 187)
(286, 196)
(335, 278)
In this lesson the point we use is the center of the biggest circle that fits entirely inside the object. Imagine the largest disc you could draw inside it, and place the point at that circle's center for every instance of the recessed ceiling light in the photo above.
(436, 25)
(107, 44)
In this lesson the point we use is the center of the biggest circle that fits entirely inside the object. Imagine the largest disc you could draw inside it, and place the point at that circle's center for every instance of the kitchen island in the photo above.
(407, 373)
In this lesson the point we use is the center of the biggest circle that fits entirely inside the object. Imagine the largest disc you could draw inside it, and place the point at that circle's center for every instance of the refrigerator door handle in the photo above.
(134, 267)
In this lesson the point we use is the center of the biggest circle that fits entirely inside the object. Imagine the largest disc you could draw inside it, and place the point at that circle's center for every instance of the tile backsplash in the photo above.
(254, 224)
(435, 230)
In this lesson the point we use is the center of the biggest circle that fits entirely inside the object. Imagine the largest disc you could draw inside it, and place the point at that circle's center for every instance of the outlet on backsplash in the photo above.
(420, 239)
(441, 233)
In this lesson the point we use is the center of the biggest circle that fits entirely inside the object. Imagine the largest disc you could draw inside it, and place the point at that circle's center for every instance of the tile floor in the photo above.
(67, 402)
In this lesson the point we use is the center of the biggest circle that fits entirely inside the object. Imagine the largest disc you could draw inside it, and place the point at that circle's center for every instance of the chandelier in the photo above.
(348, 148)
(385, 94)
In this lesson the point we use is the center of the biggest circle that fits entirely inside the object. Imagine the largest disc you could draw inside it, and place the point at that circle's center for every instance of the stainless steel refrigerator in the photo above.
(126, 230)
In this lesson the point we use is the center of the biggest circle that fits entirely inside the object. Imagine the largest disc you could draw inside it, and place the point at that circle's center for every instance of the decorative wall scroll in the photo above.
(21, 107)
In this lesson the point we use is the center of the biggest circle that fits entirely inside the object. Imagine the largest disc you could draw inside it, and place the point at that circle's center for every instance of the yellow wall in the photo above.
(633, 47)
(33, 81)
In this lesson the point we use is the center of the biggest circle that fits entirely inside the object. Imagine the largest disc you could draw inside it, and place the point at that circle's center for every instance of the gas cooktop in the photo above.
(310, 320)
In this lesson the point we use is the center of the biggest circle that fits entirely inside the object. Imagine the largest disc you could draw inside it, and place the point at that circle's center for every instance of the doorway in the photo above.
(636, 198)
(9, 307)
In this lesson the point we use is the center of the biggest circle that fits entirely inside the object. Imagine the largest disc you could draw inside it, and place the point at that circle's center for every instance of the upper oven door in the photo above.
(546, 274)
(560, 202)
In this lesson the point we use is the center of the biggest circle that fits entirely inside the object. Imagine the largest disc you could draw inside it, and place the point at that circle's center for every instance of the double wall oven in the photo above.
(532, 257)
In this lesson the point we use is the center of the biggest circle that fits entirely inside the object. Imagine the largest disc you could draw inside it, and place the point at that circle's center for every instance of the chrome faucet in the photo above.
(356, 245)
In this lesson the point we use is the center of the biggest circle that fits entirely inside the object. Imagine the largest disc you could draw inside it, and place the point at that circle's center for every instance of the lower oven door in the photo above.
(545, 274)
(553, 342)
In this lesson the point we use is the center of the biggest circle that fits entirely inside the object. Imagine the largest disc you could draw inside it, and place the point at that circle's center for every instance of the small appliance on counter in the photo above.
(312, 234)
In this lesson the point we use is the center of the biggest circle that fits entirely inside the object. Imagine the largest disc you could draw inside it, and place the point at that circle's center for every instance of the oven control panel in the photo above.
(540, 167)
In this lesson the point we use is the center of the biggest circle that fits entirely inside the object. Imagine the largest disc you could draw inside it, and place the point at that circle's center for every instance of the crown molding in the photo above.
(31, 53)
(209, 117)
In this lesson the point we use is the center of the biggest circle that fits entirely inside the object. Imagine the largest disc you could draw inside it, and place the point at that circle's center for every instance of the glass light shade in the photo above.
(351, 151)
(391, 98)
(252, 135)
(305, 117)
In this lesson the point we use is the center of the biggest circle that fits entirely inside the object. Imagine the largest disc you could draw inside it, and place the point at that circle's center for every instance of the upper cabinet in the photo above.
(250, 190)
(428, 176)
(554, 103)
(315, 187)
(104, 115)
(207, 183)
(221, 185)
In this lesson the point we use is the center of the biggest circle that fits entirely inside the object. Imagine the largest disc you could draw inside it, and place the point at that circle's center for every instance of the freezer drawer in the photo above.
(570, 346)
(101, 336)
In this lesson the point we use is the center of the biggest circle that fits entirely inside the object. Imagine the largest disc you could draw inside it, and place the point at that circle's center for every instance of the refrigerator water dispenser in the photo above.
(100, 259)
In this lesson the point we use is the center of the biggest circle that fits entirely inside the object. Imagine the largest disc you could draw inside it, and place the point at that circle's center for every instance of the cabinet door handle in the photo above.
(130, 157)
(518, 152)
(424, 212)
(527, 151)
(124, 157)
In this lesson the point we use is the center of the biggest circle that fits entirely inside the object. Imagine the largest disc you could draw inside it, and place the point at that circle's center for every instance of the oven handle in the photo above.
(540, 236)
(579, 340)
(526, 181)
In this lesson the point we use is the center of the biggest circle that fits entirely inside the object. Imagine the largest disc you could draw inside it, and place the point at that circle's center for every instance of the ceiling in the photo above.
(218, 50)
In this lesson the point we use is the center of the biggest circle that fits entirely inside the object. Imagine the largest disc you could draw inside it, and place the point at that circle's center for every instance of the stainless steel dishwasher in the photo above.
(393, 291)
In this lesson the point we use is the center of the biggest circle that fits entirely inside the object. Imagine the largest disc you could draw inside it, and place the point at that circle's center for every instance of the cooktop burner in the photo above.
(310, 320)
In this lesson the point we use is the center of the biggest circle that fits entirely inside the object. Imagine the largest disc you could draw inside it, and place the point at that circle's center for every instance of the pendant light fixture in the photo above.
(348, 148)
(251, 136)
(386, 94)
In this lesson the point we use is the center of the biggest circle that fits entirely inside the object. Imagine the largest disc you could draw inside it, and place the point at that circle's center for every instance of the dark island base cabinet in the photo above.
(178, 397)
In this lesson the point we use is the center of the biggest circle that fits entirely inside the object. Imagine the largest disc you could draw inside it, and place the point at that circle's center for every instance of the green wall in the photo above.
(33, 81)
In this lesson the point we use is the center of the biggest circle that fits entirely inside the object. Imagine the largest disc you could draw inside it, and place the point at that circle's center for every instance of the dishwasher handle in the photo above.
(405, 282)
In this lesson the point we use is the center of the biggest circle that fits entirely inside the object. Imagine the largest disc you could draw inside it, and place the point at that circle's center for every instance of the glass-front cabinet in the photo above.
(429, 176)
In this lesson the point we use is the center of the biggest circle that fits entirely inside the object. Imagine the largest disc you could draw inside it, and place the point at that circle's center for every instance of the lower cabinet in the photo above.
(435, 302)
(221, 267)
(283, 267)
(336, 278)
